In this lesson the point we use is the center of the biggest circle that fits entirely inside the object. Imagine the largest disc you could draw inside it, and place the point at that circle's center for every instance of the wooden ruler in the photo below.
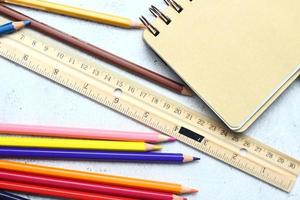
(48, 58)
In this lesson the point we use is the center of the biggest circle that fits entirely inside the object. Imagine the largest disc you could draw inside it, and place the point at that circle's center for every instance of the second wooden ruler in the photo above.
(49, 59)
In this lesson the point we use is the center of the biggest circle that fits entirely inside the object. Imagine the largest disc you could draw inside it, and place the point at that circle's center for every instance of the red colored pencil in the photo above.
(55, 192)
(86, 186)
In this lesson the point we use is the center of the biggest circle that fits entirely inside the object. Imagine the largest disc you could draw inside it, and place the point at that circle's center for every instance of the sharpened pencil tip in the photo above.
(164, 138)
(156, 147)
(194, 190)
(137, 25)
(151, 147)
(196, 158)
(175, 197)
(20, 24)
(186, 91)
(188, 158)
(27, 22)
(172, 139)
(187, 190)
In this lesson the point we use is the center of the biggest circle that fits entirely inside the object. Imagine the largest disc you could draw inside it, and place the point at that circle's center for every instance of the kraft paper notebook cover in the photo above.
(238, 56)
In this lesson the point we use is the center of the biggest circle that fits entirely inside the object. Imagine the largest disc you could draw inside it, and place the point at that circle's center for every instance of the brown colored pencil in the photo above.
(97, 52)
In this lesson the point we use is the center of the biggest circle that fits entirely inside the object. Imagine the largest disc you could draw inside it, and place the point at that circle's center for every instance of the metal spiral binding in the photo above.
(157, 13)
(149, 26)
(174, 4)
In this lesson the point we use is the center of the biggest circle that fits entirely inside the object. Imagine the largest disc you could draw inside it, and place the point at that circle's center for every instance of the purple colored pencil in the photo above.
(43, 153)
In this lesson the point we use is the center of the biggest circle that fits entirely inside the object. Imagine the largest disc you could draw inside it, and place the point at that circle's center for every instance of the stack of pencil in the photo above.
(84, 144)
(43, 142)
(71, 184)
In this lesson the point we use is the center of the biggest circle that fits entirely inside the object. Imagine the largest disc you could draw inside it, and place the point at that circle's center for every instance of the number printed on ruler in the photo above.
(43, 56)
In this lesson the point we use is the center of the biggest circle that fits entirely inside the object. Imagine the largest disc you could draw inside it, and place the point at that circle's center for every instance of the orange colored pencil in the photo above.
(94, 177)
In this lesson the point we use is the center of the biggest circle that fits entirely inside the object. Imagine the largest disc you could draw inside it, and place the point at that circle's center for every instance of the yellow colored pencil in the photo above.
(77, 12)
(60, 143)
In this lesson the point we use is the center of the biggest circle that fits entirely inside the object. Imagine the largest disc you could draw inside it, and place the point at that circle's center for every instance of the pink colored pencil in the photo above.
(82, 133)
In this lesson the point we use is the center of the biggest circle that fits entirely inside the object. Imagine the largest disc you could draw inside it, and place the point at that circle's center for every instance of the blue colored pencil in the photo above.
(12, 27)
(9, 196)
(43, 153)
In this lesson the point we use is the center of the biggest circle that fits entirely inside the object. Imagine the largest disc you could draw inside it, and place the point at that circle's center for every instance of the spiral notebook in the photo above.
(238, 56)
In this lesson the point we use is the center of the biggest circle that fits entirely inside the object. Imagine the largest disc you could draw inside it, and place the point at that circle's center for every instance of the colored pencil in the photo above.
(9, 196)
(96, 177)
(77, 12)
(11, 27)
(62, 143)
(83, 133)
(98, 52)
(55, 192)
(86, 187)
(174, 158)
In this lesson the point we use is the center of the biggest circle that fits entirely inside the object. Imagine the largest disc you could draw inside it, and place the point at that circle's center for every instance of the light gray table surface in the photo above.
(29, 99)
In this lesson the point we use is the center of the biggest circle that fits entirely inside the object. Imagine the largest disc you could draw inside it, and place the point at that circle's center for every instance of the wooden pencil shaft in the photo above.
(83, 186)
(63, 154)
(7, 28)
(62, 143)
(91, 177)
(84, 133)
(55, 192)
(95, 51)
(74, 12)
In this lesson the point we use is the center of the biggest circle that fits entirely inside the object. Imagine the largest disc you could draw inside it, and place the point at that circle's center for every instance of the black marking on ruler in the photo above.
(191, 134)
